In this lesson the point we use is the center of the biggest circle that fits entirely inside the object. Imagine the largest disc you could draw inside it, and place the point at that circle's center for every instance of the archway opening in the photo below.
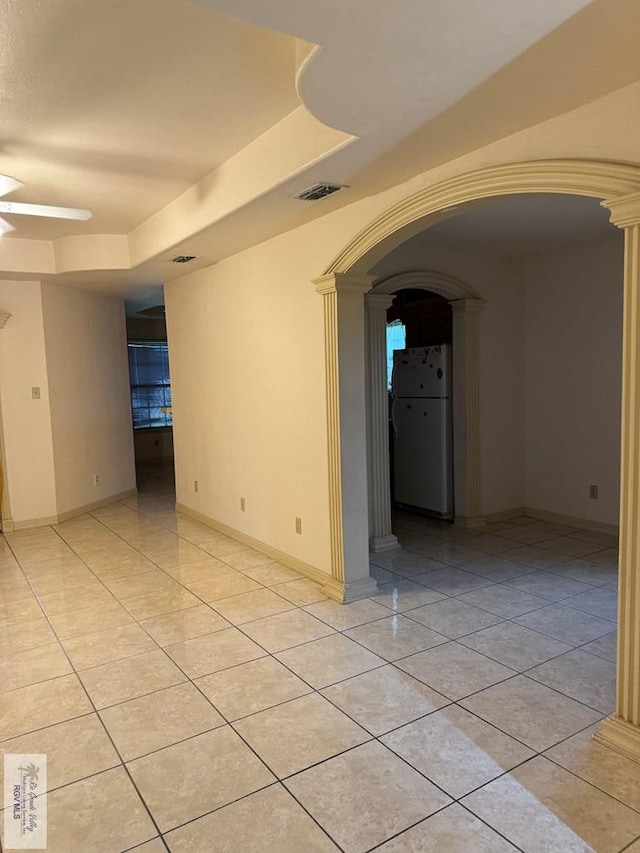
(539, 378)
(618, 186)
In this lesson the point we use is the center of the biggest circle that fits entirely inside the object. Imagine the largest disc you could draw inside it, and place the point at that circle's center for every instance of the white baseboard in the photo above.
(10, 526)
(476, 522)
(279, 556)
(555, 517)
(503, 515)
(571, 520)
(81, 510)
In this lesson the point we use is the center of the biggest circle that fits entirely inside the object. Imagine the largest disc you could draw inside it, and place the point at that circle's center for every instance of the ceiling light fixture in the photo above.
(9, 184)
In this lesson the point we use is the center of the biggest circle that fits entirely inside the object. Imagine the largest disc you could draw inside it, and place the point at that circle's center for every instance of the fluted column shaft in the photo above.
(622, 731)
(343, 297)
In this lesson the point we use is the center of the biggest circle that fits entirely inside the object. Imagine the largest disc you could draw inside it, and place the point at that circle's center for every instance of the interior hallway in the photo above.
(185, 686)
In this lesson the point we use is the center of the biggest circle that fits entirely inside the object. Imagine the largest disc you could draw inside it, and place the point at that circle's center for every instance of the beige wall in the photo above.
(572, 380)
(89, 395)
(247, 373)
(26, 423)
(249, 409)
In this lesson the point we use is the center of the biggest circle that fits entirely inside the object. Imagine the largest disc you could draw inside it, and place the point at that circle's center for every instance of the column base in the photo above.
(350, 591)
(380, 544)
(621, 736)
(471, 523)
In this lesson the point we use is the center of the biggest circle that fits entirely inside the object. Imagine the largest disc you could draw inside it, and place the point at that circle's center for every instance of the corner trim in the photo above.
(621, 736)
(287, 560)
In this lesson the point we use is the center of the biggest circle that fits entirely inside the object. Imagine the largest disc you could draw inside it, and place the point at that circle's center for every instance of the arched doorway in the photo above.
(344, 285)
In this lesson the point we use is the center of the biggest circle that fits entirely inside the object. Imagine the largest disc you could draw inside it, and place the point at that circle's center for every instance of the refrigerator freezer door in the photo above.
(421, 372)
(422, 454)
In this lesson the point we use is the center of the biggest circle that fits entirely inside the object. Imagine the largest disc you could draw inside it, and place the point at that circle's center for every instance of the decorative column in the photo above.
(6, 522)
(466, 411)
(622, 731)
(381, 536)
(343, 297)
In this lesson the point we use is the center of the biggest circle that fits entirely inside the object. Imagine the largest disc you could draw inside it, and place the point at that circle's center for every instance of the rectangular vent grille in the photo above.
(183, 259)
(318, 191)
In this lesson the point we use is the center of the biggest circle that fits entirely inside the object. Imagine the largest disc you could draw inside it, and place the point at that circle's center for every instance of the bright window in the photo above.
(396, 339)
(150, 384)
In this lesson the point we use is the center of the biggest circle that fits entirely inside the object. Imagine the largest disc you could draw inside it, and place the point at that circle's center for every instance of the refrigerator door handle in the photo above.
(394, 401)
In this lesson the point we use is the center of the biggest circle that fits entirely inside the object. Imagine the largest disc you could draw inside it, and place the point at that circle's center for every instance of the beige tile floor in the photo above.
(194, 696)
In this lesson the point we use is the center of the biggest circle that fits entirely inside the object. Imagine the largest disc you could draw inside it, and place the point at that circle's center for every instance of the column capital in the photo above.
(625, 210)
(379, 301)
(468, 305)
(342, 282)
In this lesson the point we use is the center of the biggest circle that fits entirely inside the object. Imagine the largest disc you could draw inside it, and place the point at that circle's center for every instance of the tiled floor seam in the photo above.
(317, 691)
(417, 823)
(238, 734)
(107, 733)
(239, 627)
(123, 764)
(577, 775)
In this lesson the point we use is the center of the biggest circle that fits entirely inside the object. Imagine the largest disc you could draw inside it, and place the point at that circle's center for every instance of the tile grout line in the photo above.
(248, 745)
(315, 691)
(108, 734)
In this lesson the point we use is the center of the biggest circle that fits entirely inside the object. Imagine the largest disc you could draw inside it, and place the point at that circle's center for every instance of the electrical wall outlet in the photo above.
(35, 393)
(96, 480)
(195, 485)
(243, 505)
(593, 492)
(298, 525)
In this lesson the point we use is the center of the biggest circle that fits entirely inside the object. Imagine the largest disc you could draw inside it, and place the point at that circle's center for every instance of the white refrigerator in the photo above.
(421, 421)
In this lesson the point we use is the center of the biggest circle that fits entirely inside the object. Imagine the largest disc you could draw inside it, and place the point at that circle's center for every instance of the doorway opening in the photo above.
(420, 417)
(151, 405)
(535, 336)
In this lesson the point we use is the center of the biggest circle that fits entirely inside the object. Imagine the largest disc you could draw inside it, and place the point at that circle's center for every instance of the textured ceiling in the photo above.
(120, 106)
(178, 122)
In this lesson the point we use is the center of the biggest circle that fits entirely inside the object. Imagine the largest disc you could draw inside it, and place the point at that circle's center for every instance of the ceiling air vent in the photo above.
(183, 259)
(318, 191)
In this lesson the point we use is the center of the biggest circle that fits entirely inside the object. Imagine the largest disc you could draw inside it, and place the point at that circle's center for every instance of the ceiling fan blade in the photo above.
(9, 184)
(5, 227)
(44, 210)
